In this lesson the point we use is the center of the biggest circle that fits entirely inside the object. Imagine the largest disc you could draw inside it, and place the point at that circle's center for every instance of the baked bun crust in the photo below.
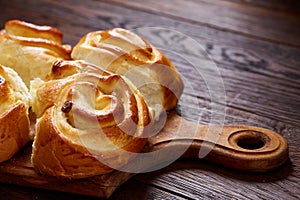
(90, 121)
(30, 49)
(123, 52)
(14, 121)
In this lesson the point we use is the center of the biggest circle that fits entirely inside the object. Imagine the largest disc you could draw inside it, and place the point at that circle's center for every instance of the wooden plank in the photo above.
(244, 70)
(262, 96)
(225, 47)
(124, 192)
(288, 6)
(137, 190)
(229, 16)
(21, 192)
(254, 93)
(204, 181)
(243, 59)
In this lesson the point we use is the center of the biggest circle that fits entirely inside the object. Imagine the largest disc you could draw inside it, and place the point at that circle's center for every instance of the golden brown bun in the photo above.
(123, 52)
(90, 121)
(14, 121)
(30, 49)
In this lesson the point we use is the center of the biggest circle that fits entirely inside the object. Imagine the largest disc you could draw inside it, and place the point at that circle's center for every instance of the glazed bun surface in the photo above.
(124, 52)
(90, 121)
(14, 121)
(30, 49)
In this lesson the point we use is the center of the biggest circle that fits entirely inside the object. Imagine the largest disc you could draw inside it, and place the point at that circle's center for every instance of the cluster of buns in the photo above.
(95, 105)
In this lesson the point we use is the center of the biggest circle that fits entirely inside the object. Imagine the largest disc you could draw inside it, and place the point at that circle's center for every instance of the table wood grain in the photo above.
(256, 46)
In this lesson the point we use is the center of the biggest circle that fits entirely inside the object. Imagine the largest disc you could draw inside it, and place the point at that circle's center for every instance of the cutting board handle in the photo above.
(239, 147)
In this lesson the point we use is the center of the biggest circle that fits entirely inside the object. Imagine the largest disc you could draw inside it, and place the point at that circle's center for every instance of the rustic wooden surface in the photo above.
(256, 45)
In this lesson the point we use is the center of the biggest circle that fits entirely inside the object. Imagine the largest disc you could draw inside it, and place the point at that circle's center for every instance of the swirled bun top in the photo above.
(14, 121)
(124, 52)
(91, 119)
(31, 49)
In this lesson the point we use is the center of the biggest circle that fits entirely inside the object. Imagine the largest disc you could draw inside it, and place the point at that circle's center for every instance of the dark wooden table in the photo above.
(256, 46)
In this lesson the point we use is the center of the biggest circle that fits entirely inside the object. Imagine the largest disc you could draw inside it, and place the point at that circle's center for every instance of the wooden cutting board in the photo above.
(237, 147)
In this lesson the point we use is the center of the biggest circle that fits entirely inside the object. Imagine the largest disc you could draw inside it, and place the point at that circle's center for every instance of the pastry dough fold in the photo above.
(14, 121)
(90, 122)
(30, 49)
(124, 52)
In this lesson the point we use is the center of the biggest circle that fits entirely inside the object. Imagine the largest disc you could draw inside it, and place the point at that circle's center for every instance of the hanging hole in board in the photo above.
(249, 140)
(251, 143)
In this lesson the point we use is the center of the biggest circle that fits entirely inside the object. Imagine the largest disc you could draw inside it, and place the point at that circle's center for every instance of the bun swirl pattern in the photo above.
(90, 121)
(124, 52)
(14, 121)
(30, 49)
